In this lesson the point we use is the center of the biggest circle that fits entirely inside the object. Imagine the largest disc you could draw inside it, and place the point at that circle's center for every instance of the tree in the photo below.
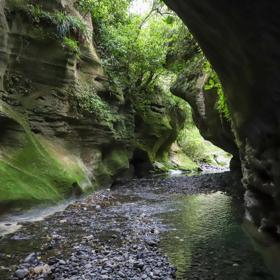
(135, 48)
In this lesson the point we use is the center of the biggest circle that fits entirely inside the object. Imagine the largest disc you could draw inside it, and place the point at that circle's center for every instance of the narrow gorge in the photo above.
(139, 140)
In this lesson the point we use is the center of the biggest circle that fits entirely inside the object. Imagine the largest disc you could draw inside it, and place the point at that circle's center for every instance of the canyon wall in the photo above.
(64, 130)
(241, 40)
(212, 124)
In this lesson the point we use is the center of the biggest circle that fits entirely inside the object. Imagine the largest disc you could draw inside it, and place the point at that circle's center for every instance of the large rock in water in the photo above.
(241, 40)
(62, 128)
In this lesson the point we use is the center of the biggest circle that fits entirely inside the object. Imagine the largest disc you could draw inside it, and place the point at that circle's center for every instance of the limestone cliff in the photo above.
(63, 128)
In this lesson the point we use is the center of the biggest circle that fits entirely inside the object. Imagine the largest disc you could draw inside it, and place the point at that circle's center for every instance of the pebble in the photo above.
(31, 258)
(21, 273)
(119, 241)
(99, 245)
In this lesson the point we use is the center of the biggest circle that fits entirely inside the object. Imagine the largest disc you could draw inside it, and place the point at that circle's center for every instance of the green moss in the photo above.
(89, 102)
(70, 30)
(213, 83)
(152, 126)
(72, 46)
(183, 162)
(86, 101)
(117, 161)
(114, 163)
(198, 149)
(159, 118)
(177, 160)
(36, 171)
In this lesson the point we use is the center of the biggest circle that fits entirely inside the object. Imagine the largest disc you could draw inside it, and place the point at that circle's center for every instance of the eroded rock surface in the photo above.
(212, 125)
(241, 40)
(64, 96)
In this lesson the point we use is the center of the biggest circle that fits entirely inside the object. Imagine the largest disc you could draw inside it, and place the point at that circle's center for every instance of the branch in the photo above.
(146, 18)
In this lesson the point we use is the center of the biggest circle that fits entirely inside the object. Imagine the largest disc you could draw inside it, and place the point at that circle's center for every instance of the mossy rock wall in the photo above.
(35, 170)
(159, 118)
(60, 123)
(62, 126)
(212, 125)
(244, 51)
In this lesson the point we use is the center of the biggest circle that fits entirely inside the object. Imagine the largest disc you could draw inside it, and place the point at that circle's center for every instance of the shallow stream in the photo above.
(200, 231)
(206, 240)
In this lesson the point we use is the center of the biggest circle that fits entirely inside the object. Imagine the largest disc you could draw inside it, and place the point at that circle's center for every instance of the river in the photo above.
(191, 224)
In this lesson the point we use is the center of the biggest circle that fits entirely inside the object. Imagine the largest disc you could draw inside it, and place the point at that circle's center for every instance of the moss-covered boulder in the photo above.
(180, 160)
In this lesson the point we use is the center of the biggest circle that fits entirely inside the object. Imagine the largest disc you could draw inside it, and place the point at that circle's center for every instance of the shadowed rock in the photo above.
(241, 40)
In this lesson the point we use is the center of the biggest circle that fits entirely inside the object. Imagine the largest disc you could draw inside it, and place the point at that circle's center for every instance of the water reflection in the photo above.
(11, 222)
(207, 241)
(266, 245)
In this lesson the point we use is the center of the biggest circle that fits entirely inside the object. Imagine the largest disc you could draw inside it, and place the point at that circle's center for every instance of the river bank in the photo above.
(143, 229)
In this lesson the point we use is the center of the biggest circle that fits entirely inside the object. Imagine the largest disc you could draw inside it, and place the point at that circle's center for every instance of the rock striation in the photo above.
(241, 39)
(212, 125)
(63, 129)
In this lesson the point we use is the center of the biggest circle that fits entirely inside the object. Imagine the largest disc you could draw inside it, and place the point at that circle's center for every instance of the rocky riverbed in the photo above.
(129, 233)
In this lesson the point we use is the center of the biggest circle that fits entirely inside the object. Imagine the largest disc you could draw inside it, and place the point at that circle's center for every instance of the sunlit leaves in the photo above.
(107, 11)
(135, 48)
(214, 83)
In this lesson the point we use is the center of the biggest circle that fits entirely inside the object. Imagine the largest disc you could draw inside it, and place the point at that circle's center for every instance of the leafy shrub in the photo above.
(70, 30)
(89, 102)
(67, 24)
(133, 47)
(72, 45)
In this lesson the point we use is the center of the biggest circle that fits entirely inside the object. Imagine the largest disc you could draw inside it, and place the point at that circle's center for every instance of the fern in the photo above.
(213, 82)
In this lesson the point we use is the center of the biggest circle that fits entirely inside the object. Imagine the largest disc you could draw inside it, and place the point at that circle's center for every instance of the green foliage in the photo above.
(183, 51)
(214, 83)
(134, 48)
(85, 101)
(72, 45)
(104, 12)
(135, 51)
(36, 12)
(140, 52)
(66, 24)
(70, 30)
(90, 102)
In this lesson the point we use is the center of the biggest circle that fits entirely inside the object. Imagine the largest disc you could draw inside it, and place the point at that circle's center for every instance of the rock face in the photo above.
(62, 128)
(241, 40)
(212, 125)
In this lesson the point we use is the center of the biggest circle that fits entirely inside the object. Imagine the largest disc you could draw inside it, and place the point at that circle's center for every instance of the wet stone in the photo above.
(110, 235)
(21, 273)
